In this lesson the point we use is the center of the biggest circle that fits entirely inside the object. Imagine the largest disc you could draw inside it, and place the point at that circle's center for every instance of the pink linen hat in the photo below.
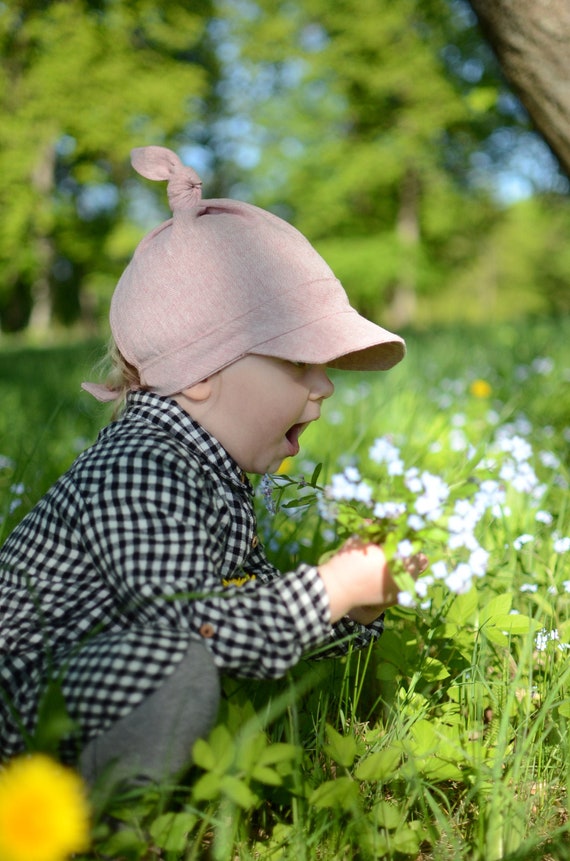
(222, 279)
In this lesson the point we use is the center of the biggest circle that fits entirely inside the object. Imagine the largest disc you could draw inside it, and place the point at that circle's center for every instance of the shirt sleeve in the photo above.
(343, 635)
(158, 539)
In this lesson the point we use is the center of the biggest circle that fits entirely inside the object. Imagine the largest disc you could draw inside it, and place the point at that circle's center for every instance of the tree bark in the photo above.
(531, 39)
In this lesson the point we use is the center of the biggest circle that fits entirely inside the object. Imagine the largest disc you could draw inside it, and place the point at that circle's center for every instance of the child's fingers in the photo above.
(416, 564)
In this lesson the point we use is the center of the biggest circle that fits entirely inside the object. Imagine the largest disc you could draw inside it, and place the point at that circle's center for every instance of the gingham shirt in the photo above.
(126, 560)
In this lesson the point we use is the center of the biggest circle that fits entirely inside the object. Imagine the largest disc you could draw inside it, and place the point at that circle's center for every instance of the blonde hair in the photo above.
(120, 376)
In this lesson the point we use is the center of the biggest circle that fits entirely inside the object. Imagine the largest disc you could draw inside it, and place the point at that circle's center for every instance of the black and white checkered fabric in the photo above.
(107, 580)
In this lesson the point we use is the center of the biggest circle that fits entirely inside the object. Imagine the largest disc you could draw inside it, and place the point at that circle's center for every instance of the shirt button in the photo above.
(242, 477)
(254, 541)
(206, 630)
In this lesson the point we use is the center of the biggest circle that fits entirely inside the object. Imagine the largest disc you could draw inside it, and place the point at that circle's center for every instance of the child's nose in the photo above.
(321, 386)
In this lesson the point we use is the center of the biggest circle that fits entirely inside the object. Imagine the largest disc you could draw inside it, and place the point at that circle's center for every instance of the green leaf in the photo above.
(514, 623)
(279, 752)
(203, 755)
(170, 831)
(217, 753)
(341, 793)
(125, 844)
(500, 605)
(207, 787)
(341, 748)
(387, 815)
(315, 475)
(463, 608)
(53, 721)
(380, 765)
(433, 670)
(238, 791)
(267, 775)
(406, 841)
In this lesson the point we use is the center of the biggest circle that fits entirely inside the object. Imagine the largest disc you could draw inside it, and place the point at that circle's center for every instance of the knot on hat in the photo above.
(158, 162)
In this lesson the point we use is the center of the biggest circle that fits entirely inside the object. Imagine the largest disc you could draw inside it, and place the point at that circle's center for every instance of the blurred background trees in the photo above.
(384, 130)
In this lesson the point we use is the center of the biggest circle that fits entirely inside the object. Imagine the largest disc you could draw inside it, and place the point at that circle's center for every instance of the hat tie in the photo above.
(160, 163)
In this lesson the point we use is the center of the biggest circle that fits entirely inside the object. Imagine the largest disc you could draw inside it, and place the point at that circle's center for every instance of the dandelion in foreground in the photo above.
(44, 812)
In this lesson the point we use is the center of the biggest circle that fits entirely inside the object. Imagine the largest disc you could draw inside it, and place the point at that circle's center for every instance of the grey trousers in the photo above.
(154, 741)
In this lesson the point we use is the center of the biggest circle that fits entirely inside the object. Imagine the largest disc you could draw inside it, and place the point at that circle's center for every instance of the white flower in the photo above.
(520, 475)
(348, 486)
(517, 447)
(416, 522)
(389, 510)
(396, 466)
(422, 586)
(383, 451)
(491, 495)
(459, 580)
(549, 459)
(435, 492)
(566, 585)
(327, 510)
(543, 637)
(412, 480)
(405, 549)
(542, 365)
(561, 545)
(458, 440)
(439, 570)
(529, 587)
(462, 539)
(544, 517)
(351, 473)
(406, 599)
(519, 542)
(478, 561)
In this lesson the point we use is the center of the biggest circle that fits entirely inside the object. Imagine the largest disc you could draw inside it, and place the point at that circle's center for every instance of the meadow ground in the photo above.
(446, 740)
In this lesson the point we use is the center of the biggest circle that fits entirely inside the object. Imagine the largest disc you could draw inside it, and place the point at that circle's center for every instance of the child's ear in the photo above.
(199, 391)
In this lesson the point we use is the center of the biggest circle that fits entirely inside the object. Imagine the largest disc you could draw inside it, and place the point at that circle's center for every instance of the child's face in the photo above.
(258, 407)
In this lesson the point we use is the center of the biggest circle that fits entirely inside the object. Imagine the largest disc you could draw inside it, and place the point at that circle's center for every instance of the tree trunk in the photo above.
(404, 301)
(43, 182)
(531, 39)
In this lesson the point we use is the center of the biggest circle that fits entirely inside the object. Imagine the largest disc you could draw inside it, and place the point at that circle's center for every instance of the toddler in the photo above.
(139, 577)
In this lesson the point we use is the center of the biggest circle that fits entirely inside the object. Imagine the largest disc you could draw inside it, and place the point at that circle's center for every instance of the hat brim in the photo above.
(343, 340)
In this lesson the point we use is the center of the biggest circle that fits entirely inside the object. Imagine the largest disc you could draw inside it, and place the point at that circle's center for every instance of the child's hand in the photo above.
(415, 565)
(359, 583)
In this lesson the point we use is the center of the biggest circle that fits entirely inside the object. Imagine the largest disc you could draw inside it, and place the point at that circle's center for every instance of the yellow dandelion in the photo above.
(480, 389)
(44, 812)
(285, 467)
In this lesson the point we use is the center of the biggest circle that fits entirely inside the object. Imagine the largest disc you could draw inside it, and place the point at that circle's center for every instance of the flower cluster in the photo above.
(406, 509)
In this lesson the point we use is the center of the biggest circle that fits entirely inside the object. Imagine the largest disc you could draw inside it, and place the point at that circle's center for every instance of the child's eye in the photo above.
(301, 364)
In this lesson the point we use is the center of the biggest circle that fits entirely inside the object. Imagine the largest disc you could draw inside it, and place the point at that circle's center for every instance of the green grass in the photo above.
(449, 738)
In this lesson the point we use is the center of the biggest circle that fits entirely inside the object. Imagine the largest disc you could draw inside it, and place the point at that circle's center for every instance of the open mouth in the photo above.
(293, 435)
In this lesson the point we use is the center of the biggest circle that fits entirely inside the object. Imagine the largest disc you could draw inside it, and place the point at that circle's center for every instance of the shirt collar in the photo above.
(165, 413)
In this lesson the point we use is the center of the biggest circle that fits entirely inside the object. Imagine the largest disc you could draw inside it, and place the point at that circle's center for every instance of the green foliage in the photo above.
(377, 127)
(449, 738)
(71, 110)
